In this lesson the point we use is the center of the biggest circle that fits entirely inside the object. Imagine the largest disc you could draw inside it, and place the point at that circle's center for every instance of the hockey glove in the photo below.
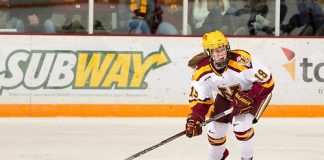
(193, 127)
(241, 103)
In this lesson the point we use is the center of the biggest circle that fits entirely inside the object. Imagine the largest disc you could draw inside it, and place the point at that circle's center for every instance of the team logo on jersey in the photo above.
(243, 60)
(290, 66)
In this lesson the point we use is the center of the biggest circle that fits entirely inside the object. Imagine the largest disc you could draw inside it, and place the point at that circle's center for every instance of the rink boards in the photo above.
(91, 76)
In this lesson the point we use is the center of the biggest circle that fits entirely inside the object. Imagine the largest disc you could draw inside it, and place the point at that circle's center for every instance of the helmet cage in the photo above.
(219, 64)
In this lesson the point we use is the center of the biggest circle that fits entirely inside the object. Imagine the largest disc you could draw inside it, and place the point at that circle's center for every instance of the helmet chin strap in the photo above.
(219, 65)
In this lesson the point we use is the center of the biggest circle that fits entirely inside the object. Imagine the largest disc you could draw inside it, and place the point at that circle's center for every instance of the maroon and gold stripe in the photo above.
(194, 102)
(244, 136)
(234, 65)
(201, 72)
(216, 142)
(260, 88)
(236, 53)
(204, 62)
(269, 83)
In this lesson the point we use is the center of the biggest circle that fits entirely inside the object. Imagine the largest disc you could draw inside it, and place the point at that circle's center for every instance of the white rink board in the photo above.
(165, 84)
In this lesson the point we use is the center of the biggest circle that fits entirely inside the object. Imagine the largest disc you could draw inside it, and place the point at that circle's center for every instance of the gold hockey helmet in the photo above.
(214, 40)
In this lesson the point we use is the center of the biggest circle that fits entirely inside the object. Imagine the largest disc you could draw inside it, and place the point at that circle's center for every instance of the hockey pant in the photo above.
(242, 128)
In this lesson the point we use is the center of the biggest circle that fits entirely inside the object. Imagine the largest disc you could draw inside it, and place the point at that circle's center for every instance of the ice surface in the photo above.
(118, 138)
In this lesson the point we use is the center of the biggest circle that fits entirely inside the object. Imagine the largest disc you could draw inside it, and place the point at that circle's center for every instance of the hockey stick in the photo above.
(227, 112)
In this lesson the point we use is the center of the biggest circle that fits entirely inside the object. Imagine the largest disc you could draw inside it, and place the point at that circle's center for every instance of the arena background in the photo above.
(142, 76)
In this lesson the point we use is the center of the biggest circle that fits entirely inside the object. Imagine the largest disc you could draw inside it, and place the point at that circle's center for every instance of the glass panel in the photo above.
(232, 17)
(117, 16)
(124, 14)
(46, 16)
(4, 17)
(162, 17)
(71, 16)
(302, 17)
(170, 17)
(30, 16)
(105, 16)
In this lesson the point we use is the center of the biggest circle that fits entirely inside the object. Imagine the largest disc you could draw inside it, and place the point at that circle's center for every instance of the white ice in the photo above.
(118, 138)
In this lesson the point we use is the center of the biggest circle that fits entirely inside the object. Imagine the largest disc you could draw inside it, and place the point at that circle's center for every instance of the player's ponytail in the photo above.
(194, 61)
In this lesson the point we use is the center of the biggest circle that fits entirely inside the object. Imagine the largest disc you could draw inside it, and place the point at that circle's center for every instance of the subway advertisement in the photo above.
(54, 75)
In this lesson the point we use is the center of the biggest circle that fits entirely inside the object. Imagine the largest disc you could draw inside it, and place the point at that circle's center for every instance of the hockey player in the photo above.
(236, 80)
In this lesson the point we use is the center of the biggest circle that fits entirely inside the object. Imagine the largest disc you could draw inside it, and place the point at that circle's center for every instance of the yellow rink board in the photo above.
(140, 110)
